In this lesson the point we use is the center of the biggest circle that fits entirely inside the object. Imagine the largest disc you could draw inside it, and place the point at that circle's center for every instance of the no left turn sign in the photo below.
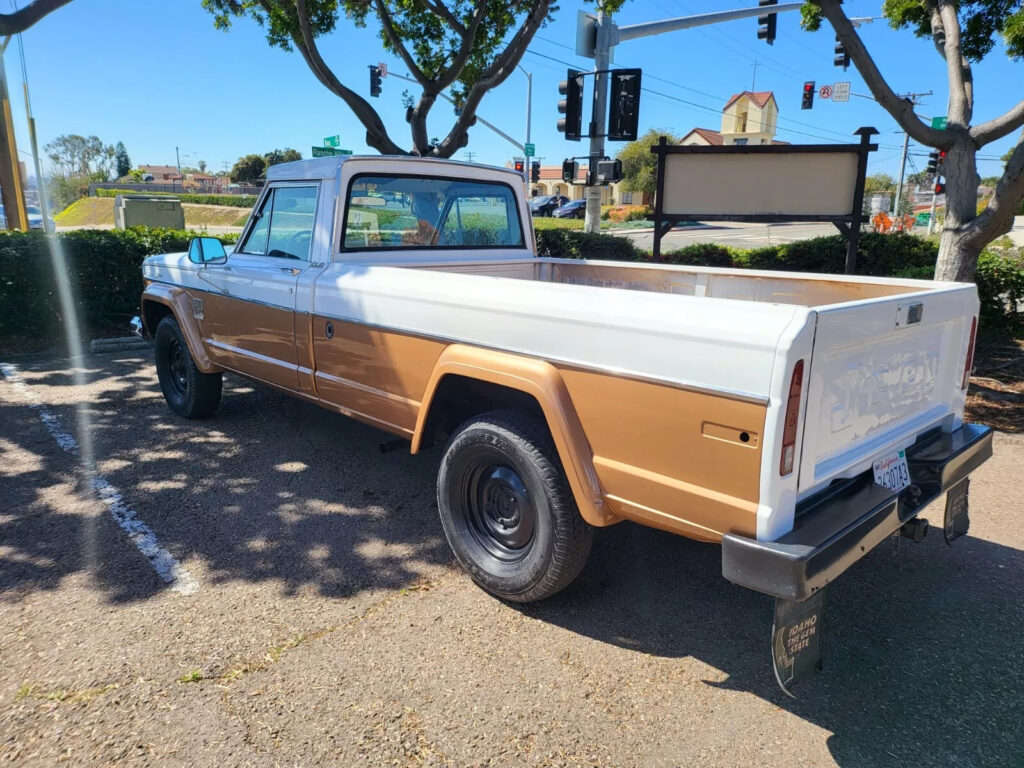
(825, 92)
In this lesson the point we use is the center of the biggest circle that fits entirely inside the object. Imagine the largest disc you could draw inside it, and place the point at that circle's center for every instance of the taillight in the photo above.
(969, 362)
(796, 384)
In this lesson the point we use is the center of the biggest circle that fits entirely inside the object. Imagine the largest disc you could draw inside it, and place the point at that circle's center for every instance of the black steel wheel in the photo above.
(188, 391)
(507, 510)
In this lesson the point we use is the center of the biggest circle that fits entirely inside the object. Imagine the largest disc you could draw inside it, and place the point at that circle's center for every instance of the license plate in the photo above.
(892, 472)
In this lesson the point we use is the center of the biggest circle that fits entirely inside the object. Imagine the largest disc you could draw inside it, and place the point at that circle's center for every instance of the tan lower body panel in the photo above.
(375, 374)
(675, 459)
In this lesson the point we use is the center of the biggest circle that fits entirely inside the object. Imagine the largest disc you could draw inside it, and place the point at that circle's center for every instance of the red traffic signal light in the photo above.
(940, 188)
(520, 166)
(808, 98)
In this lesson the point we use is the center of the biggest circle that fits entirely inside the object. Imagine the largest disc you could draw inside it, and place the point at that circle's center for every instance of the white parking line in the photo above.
(166, 567)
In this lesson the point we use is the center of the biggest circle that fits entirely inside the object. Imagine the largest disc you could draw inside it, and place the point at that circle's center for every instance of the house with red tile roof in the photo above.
(748, 117)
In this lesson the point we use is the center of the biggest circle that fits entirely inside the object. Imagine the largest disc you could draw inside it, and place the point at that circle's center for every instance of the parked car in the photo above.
(799, 420)
(546, 204)
(35, 218)
(574, 209)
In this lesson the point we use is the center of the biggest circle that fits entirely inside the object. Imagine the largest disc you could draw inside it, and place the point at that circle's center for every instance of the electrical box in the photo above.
(148, 211)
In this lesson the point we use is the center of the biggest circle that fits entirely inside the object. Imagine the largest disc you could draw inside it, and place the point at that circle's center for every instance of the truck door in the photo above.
(248, 316)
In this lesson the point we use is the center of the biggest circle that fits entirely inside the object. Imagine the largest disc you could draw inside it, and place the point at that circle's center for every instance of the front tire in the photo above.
(507, 510)
(188, 391)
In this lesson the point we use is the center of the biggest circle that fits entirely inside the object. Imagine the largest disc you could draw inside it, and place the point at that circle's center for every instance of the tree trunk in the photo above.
(959, 247)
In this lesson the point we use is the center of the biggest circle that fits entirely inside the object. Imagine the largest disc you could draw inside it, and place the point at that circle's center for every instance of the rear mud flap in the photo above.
(957, 521)
(796, 640)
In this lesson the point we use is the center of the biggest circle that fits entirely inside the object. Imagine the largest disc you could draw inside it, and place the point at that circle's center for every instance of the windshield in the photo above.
(541, 200)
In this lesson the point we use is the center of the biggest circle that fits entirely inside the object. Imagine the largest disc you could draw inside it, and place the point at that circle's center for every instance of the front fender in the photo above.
(178, 301)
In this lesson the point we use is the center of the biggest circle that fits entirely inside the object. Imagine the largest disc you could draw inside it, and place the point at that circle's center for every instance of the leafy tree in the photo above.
(247, 168)
(879, 183)
(122, 162)
(640, 165)
(919, 179)
(74, 155)
(963, 32)
(465, 47)
(286, 155)
(202, 166)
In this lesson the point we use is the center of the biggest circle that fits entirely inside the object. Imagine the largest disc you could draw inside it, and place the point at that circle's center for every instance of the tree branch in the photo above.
(997, 218)
(1001, 126)
(465, 50)
(396, 43)
(376, 133)
(499, 70)
(23, 18)
(438, 7)
(901, 109)
(959, 103)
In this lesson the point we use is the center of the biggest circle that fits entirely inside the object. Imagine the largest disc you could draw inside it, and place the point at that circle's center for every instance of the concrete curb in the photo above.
(119, 344)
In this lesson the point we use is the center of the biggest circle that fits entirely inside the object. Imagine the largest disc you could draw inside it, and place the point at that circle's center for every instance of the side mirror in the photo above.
(207, 250)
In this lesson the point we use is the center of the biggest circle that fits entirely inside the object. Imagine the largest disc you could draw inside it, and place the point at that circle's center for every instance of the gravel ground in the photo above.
(330, 625)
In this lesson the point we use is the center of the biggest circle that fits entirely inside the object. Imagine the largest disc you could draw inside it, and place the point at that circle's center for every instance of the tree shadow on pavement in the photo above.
(924, 661)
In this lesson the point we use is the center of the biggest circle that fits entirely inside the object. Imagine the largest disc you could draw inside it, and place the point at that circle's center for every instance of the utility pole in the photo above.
(469, 156)
(602, 55)
(915, 99)
(608, 35)
(529, 100)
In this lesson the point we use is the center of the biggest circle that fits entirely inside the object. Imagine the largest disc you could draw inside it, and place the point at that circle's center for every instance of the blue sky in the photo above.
(156, 75)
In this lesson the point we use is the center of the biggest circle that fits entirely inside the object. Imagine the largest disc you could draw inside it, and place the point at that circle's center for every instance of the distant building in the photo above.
(749, 117)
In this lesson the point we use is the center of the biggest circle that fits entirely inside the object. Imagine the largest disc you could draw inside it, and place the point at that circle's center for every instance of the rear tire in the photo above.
(507, 510)
(188, 391)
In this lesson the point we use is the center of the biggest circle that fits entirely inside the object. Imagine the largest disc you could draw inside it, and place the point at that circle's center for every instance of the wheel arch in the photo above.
(159, 301)
(465, 374)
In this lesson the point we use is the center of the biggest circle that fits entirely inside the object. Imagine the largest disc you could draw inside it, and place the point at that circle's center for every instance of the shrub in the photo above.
(702, 255)
(621, 213)
(234, 201)
(104, 271)
(574, 244)
(1000, 280)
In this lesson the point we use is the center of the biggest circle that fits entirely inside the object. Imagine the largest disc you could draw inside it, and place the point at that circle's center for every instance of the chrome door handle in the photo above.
(290, 270)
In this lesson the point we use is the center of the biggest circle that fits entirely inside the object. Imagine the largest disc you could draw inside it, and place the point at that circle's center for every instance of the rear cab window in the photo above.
(283, 225)
(422, 212)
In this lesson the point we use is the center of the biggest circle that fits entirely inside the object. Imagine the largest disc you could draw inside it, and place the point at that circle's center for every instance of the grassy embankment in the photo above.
(99, 211)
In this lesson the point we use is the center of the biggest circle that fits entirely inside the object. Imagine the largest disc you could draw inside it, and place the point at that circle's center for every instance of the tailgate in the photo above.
(882, 372)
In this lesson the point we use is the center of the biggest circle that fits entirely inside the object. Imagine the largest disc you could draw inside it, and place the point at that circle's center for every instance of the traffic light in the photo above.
(535, 171)
(520, 166)
(842, 58)
(942, 162)
(766, 23)
(570, 169)
(571, 106)
(624, 107)
(940, 188)
(374, 80)
(608, 171)
(808, 98)
(933, 163)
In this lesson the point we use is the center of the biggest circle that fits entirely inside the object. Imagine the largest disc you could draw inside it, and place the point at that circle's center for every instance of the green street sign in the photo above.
(939, 123)
(529, 150)
(332, 141)
(330, 152)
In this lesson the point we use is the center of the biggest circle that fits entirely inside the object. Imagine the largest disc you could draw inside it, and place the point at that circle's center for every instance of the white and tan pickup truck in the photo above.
(797, 419)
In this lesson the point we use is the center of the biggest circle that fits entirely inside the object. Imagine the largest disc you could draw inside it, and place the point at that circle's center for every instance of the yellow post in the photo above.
(10, 177)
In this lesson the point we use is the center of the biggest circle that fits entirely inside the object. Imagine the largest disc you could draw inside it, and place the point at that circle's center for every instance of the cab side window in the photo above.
(284, 228)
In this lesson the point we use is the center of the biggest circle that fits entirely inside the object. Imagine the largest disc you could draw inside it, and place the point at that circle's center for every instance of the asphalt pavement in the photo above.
(308, 612)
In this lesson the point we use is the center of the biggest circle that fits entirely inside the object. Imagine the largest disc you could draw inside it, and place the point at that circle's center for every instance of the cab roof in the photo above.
(329, 167)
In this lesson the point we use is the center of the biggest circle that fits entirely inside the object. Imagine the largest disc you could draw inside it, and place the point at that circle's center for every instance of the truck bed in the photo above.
(808, 290)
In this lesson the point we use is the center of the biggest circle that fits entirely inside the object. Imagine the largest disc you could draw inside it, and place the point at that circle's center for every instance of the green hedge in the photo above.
(105, 271)
(234, 201)
(574, 244)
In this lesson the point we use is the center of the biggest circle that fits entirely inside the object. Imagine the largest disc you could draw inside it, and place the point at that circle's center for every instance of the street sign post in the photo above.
(332, 141)
(939, 123)
(825, 92)
(529, 150)
(841, 92)
(330, 151)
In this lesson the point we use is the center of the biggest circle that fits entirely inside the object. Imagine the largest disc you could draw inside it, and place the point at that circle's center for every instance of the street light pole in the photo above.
(529, 100)
(602, 56)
